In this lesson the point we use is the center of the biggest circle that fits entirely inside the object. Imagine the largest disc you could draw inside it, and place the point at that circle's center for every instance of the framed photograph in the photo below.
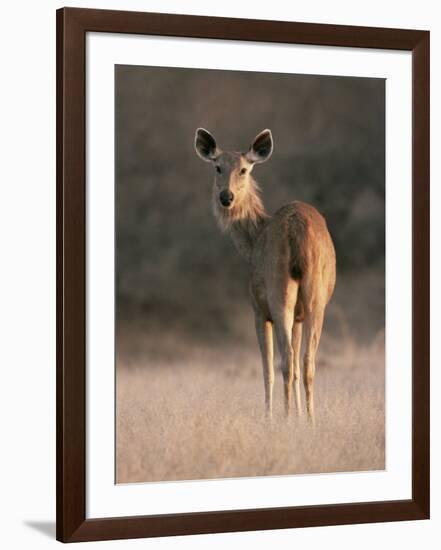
(242, 274)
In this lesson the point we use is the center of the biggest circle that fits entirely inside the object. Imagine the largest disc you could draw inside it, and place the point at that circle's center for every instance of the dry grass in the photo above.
(202, 417)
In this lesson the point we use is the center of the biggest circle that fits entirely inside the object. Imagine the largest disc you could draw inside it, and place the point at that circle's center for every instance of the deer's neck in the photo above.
(245, 221)
(245, 233)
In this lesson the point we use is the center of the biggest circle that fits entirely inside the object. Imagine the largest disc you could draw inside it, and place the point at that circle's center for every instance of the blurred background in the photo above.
(175, 271)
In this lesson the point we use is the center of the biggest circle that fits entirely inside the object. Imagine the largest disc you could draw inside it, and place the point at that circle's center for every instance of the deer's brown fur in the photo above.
(291, 258)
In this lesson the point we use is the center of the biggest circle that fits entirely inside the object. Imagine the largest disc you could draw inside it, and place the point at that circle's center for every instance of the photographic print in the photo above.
(221, 265)
(250, 274)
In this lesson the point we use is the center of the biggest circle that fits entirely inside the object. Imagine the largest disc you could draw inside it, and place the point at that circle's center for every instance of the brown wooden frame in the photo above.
(72, 25)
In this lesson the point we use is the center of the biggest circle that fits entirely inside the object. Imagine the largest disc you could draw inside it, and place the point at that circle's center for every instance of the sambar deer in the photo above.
(291, 258)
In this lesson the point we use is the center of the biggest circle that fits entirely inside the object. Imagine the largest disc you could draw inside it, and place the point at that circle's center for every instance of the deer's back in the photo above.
(296, 242)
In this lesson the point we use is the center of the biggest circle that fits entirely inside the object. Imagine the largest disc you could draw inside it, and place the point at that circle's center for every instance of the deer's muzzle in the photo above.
(226, 197)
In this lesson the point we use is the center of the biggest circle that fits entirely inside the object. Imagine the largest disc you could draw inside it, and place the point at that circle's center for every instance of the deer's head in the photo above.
(233, 183)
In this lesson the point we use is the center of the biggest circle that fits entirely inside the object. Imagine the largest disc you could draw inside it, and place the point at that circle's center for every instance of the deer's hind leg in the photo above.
(313, 329)
(282, 309)
(296, 345)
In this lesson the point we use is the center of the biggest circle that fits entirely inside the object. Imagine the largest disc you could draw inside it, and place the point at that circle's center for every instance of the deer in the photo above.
(291, 259)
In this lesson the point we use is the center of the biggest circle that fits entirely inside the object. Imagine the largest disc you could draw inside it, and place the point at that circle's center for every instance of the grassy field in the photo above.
(201, 415)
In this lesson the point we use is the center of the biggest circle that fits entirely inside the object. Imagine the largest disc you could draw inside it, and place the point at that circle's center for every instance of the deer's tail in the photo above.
(297, 264)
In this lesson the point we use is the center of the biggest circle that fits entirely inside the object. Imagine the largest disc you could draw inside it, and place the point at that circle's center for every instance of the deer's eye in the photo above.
(218, 169)
(243, 171)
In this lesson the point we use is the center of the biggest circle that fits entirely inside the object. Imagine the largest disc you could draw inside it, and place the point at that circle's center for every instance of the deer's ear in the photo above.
(262, 147)
(205, 145)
